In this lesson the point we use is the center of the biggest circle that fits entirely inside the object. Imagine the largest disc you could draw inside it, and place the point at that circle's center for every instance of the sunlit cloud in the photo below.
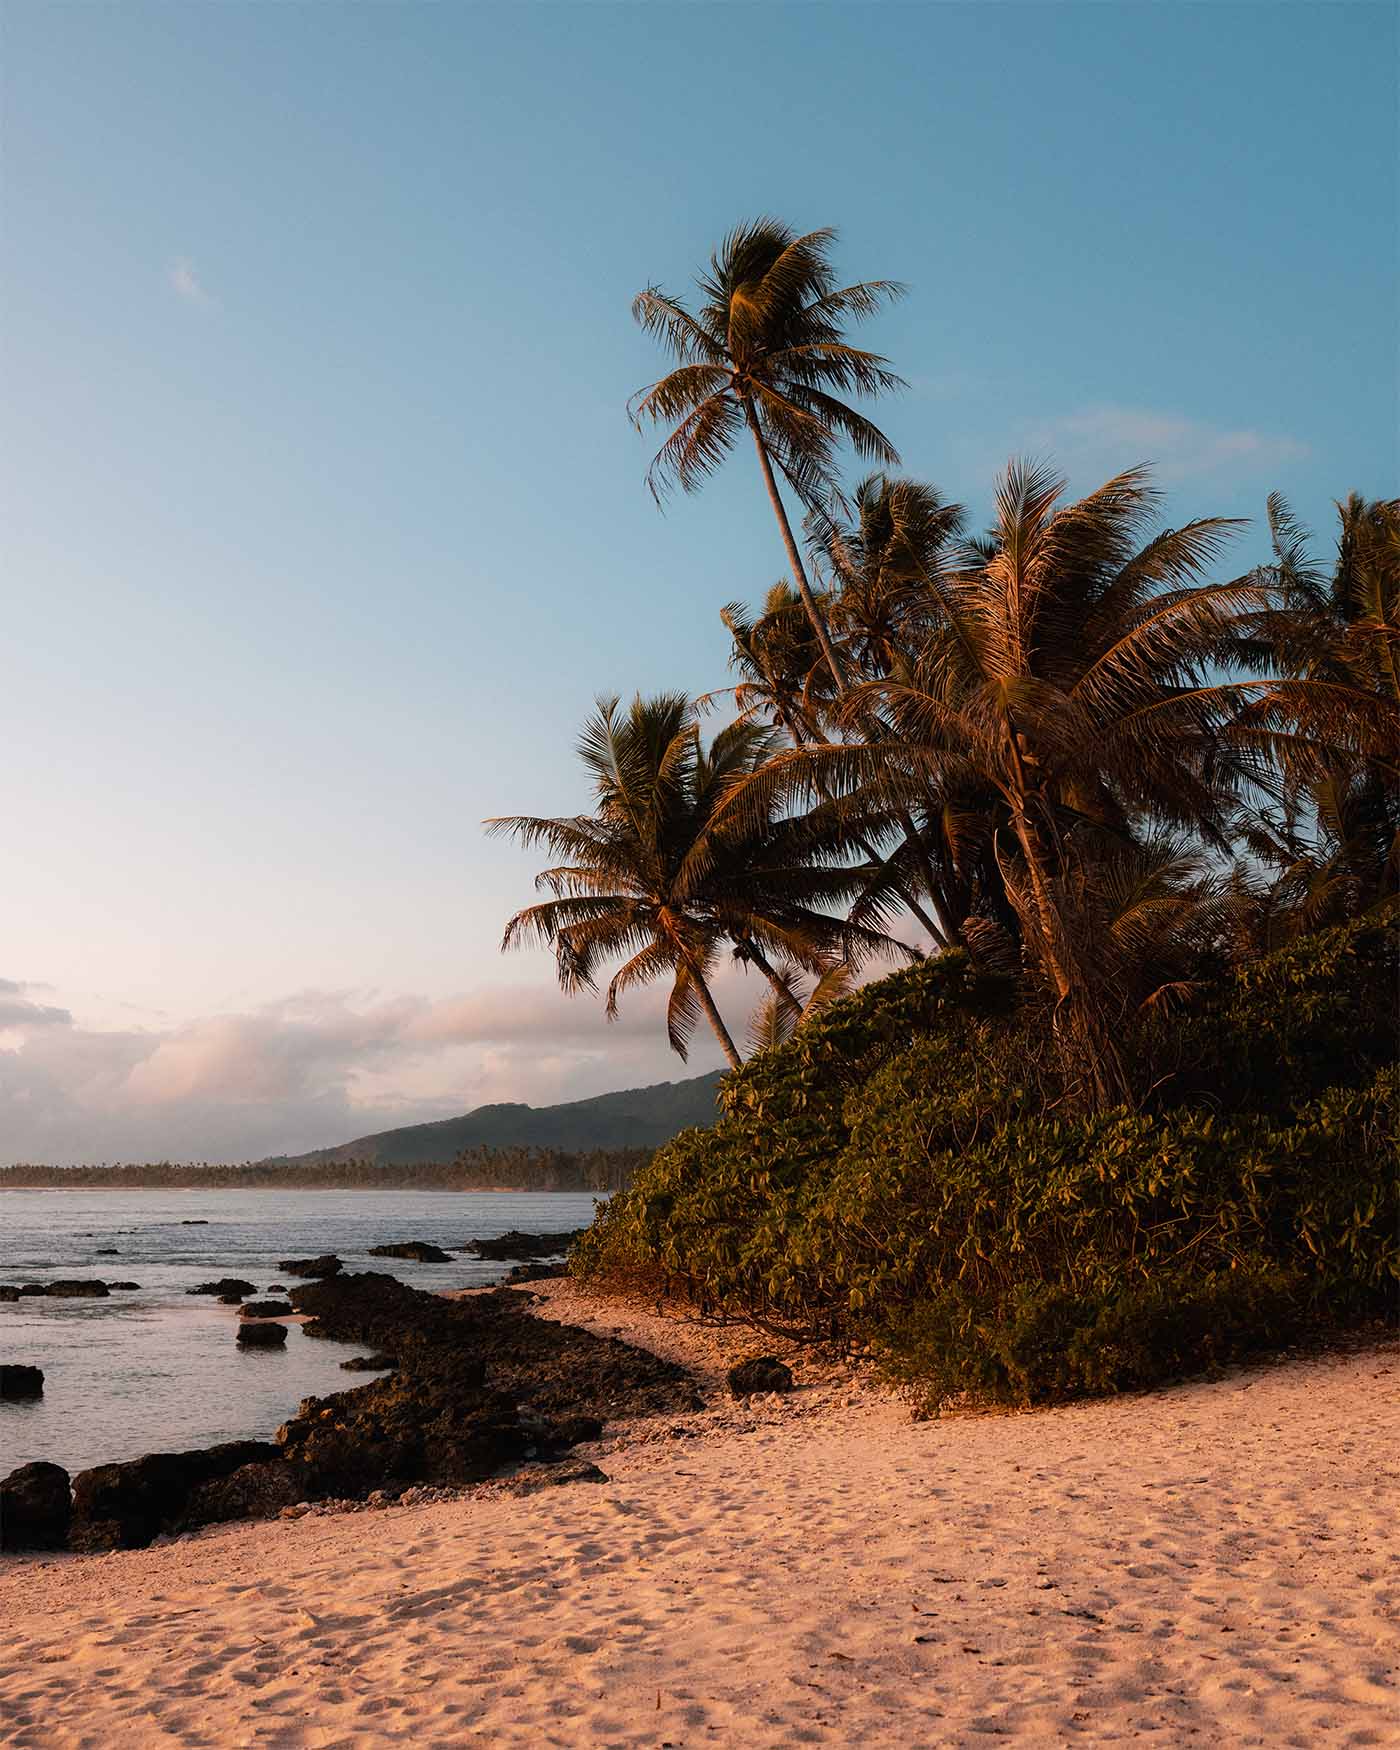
(1094, 443)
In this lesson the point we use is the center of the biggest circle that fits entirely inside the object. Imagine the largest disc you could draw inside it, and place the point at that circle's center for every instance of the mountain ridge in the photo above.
(628, 1118)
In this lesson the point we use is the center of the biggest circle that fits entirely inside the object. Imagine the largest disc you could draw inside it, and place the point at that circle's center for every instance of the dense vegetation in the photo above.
(1134, 1112)
(476, 1169)
(903, 1171)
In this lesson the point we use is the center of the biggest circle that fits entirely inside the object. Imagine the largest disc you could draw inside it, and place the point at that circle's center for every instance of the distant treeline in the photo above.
(474, 1169)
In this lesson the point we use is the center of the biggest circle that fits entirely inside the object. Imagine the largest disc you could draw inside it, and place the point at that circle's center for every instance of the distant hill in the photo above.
(634, 1118)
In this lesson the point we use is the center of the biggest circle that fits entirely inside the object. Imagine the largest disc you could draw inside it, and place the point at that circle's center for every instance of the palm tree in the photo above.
(1334, 835)
(651, 877)
(765, 354)
(1070, 672)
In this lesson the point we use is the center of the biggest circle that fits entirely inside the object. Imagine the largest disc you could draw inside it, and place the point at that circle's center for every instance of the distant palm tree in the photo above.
(651, 878)
(765, 354)
(1334, 836)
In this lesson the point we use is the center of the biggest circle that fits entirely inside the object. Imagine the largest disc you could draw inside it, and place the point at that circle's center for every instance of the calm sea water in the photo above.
(159, 1370)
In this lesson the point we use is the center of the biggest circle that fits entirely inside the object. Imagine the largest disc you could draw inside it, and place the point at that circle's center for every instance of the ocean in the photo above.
(158, 1370)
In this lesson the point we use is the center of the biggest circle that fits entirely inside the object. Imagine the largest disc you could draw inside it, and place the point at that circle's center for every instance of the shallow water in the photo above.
(157, 1370)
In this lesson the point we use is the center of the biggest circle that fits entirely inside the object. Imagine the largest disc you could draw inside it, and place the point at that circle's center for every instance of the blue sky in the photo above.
(324, 523)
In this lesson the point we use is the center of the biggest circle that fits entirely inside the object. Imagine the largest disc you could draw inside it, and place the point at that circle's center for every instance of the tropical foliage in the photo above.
(1118, 787)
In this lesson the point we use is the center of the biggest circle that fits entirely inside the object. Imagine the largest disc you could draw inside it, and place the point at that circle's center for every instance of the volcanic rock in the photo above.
(760, 1373)
(420, 1251)
(124, 1506)
(35, 1506)
(226, 1285)
(522, 1245)
(260, 1334)
(77, 1289)
(265, 1309)
(326, 1265)
(368, 1363)
(21, 1382)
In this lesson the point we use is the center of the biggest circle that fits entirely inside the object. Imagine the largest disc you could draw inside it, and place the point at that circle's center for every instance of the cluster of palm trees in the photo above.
(1057, 743)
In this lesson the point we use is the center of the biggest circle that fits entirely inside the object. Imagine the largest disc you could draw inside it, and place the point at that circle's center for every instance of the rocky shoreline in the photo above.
(479, 1389)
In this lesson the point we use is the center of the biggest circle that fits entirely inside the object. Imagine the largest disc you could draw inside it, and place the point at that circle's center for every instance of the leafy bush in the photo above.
(899, 1172)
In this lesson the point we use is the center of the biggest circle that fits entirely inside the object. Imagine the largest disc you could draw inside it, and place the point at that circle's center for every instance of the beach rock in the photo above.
(195, 1221)
(551, 1476)
(760, 1373)
(257, 1334)
(35, 1506)
(368, 1363)
(76, 1289)
(234, 1285)
(253, 1491)
(106, 1252)
(21, 1382)
(232, 1299)
(28, 1288)
(124, 1506)
(275, 1288)
(326, 1265)
(420, 1251)
(265, 1309)
(535, 1273)
(123, 1285)
(522, 1245)
(9, 1291)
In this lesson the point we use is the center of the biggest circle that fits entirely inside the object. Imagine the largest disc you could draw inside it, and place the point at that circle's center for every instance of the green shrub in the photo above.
(900, 1172)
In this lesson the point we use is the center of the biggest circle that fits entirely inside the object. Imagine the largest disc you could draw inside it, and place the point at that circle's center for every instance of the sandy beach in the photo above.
(1214, 1564)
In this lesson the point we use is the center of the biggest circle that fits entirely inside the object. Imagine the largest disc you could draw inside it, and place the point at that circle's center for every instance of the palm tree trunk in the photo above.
(761, 961)
(713, 1016)
(809, 601)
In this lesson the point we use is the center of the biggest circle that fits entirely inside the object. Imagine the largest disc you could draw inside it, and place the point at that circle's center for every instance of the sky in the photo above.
(323, 524)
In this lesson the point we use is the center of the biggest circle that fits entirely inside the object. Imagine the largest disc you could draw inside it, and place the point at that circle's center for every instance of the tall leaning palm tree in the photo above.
(650, 878)
(765, 354)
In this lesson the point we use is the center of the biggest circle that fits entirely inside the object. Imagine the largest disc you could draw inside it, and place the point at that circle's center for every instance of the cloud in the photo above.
(319, 1067)
(185, 282)
(1096, 442)
(18, 1010)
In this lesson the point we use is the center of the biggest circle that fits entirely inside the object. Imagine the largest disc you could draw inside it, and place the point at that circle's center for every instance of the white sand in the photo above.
(1215, 1564)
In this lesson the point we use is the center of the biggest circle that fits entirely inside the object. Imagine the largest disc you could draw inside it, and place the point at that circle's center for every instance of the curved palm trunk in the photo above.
(799, 571)
(761, 961)
(713, 1016)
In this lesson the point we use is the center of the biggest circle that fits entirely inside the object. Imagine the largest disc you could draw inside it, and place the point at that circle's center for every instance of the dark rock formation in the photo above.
(253, 1491)
(226, 1285)
(27, 1288)
(522, 1245)
(265, 1309)
(535, 1273)
(123, 1506)
(196, 1221)
(276, 1288)
(76, 1289)
(420, 1251)
(368, 1363)
(260, 1334)
(21, 1382)
(760, 1373)
(551, 1370)
(233, 1299)
(326, 1265)
(123, 1285)
(550, 1476)
(35, 1505)
(106, 1252)
(9, 1291)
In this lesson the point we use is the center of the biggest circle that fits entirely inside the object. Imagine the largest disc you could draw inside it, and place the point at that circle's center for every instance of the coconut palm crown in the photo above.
(765, 354)
(649, 877)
